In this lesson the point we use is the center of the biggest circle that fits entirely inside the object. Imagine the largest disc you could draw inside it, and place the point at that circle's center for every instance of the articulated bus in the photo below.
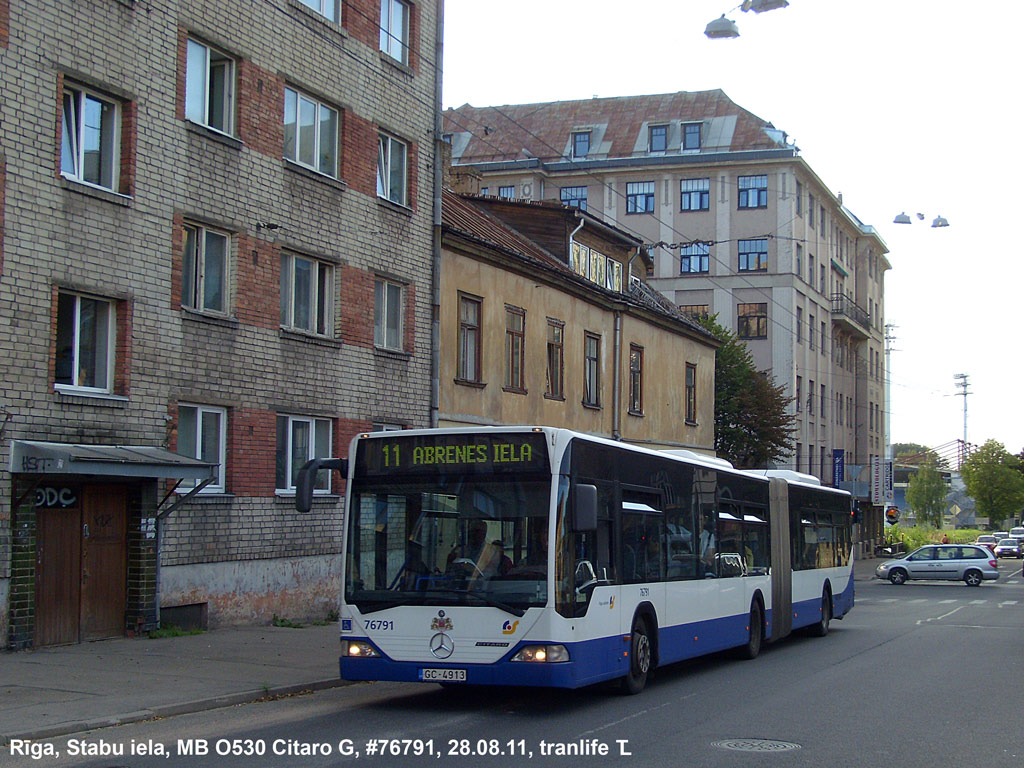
(544, 557)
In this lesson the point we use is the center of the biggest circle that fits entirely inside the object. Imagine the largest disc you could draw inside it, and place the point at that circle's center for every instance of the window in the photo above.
(657, 138)
(300, 439)
(574, 196)
(810, 332)
(598, 262)
(824, 338)
(394, 29)
(204, 263)
(810, 399)
(485, 190)
(799, 200)
(85, 342)
(209, 87)
(202, 435)
(469, 339)
(691, 137)
(753, 191)
(307, 291)
(507, 192)
(90, 140)
(752, 321)
(810, 269)
(694, 194)
(591, 370)
(636, 379)
(391, 171)
(581, 144)
(387, 314)
(798, 265)
(640, 197)
(799, 394)
(326, 8)
(798, 458)
(691, 393)
(613, 276)
(310, 133)
(694, 258)
(515, 331)
(753, 255)
(581, 259)
(810, 210)
(555, 386)
(824, 402)
(696, 311)
(799, 324)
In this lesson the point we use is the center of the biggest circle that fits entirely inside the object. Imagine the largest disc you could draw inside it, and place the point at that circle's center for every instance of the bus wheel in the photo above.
(639, 658)
(821, 628)
(753, 646)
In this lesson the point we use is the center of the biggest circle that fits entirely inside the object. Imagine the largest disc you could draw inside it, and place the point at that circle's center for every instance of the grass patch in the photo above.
(172, 630)
(277, 621)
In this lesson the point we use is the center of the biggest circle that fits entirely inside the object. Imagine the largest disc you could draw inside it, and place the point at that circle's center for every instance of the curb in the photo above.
(171, 710)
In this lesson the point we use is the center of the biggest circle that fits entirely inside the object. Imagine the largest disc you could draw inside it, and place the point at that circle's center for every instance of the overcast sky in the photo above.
(913, 105)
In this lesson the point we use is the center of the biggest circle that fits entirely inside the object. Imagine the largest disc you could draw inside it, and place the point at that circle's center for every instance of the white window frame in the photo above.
(200, 104)
(74, 154)
(394, 32)
(319, 296)
(196, 269)
(319, 429)
(572, 196)
(694, 194)
(753, 191)
(507, 193)
(388, 173)
(574, 144)
(105, 343)
(326, 8)
(386, 295)
(196, 449)
(325, 148)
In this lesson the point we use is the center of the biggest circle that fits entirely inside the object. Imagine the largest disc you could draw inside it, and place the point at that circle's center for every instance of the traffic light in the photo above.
(856, 514)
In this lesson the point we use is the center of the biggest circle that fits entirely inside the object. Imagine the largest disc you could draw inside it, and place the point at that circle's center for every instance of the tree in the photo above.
(753, 427)
(926, 494)
(994, 479)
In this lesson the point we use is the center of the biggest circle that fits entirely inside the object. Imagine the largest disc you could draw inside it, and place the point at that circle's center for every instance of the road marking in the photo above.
(920, 600)
(946, 602)
(1007, 602)
(978, 602)
(939, 618)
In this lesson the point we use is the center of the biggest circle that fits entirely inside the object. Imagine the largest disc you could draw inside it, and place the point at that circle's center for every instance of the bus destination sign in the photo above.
(516, 452)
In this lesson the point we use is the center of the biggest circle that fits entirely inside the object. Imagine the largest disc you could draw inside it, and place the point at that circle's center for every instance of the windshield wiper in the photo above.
(517, 612)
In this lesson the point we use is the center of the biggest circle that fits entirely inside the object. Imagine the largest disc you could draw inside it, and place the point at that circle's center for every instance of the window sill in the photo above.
(558, 398)
(71, 394)
(197, 316)
(317, 495)
(209, 498)
(90, 190)
(305, 12)
(690, 423)
(214, 134)
(396, 207)
(639, 414)
(591, 406)
(515, 390)
(470, 383)
(309, 338)
(313, 175)
(397, 354)
(390, 60)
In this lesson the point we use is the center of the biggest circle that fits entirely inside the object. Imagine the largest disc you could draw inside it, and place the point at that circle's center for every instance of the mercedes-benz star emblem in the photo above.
(441, 645)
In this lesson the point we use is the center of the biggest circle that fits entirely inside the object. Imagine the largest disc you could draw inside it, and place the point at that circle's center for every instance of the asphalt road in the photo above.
(921, 675)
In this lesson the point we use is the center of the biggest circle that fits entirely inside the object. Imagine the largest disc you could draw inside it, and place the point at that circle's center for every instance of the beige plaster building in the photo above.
(545, 319)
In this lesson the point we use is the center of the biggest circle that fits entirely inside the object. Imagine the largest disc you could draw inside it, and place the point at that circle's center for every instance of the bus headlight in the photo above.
(542, 653)
(360, 649)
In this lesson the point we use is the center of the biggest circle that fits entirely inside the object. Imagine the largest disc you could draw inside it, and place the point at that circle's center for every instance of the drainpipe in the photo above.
(572, 237)
(435, 274)
(617, 378)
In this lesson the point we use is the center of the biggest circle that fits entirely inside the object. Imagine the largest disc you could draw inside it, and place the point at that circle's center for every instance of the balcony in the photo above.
(853, 318)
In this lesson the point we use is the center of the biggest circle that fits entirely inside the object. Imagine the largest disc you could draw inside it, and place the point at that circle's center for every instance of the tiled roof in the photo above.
(542, 130)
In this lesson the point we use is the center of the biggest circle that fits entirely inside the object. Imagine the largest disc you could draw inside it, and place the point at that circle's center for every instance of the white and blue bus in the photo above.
(545, 557)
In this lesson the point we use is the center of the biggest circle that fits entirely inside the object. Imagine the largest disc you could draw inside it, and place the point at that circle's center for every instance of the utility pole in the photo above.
(890, 337)
(962, 382)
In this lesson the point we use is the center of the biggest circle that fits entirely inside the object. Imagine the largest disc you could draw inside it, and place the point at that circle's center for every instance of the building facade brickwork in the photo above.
(169, 237)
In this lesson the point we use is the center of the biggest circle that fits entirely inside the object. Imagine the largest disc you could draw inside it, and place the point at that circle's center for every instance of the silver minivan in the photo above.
(969, 563)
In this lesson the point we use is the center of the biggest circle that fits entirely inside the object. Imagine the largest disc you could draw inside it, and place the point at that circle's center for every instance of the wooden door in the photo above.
(58, 575)
(104, 556)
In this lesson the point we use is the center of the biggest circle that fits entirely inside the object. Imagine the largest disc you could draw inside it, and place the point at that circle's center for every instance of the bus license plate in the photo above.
(443, 675)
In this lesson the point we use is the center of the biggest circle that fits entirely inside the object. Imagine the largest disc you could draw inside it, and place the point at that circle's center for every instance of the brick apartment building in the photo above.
(216, 262)
(739, 225)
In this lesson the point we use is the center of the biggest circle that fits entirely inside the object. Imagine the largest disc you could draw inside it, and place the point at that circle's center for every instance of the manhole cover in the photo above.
(755, 745)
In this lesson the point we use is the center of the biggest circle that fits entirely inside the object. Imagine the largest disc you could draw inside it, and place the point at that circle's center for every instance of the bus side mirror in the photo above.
(585, 509)
(306, 480)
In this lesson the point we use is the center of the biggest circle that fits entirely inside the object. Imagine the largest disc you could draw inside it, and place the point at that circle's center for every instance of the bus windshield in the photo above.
(453, 539)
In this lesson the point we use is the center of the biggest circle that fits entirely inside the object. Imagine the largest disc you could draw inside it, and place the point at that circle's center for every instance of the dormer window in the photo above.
(691, 137)
(580, 144)
(657, 138)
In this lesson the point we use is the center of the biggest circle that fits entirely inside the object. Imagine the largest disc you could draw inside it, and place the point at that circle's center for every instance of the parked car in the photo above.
(969, 563)
(1008, 548)
(1017, 533)
(988, 540)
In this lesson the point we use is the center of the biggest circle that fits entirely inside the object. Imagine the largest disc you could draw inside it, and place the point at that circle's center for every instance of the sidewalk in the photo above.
(54, 691)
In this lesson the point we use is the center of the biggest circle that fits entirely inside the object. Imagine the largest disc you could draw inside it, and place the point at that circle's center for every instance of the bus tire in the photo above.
(756, 633)
(821, 628)
(639, 658)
